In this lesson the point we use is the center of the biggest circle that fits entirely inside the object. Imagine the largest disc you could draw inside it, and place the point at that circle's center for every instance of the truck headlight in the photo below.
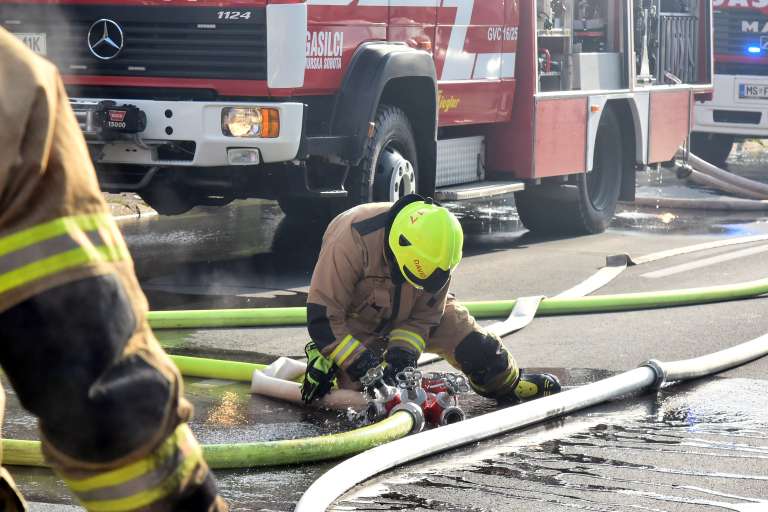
(250, 122)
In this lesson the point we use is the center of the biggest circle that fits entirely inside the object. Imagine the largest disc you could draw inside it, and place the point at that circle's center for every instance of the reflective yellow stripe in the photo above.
(149, 496)
(129, 472)
(412, 343)
(409, 337)
(352, 347)
(54, 228)
(344, 349)
(342, 344)
(58, 263)
(403, 333)
(181, 438)
(48, 262)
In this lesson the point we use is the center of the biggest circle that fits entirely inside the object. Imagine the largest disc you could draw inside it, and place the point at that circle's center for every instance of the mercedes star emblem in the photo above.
(105, 39)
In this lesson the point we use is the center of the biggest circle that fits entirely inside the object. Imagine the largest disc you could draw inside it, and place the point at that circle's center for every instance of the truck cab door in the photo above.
(468, 58)
(413, 22)
(335, 29)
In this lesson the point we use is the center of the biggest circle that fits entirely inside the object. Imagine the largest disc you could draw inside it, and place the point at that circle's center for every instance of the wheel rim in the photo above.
(399, 172)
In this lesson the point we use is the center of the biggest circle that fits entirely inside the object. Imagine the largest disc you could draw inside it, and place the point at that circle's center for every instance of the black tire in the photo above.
(712, 147)
(587, 203)
(166, 199)
(296, 207)
(370, 181)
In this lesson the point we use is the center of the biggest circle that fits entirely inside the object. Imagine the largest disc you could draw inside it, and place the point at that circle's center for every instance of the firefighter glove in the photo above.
(320, 375)
(396, 360)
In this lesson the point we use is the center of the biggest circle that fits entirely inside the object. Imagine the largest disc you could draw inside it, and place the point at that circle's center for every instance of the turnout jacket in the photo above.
(358, 303)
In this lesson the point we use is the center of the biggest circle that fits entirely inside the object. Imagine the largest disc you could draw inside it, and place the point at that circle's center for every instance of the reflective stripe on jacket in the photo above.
(54, 224)
(58, 247)
(149, 480)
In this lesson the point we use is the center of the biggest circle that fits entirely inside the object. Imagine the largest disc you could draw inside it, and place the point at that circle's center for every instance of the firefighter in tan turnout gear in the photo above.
(74, 338)
(379, 296)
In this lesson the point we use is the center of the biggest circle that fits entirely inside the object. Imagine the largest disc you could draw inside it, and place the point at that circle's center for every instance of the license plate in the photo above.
(753, 91)
(35, 41)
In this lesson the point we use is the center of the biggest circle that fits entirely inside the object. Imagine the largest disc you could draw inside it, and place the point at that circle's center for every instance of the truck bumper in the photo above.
(729, 113)
(194, 126)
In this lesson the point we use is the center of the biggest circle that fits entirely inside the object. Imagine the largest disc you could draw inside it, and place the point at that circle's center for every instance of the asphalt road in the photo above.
(691, 449)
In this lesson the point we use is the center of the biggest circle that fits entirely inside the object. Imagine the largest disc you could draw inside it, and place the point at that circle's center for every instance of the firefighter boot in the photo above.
(536, 385)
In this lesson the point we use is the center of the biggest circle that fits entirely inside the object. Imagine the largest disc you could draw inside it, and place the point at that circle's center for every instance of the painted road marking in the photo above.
(705, 262)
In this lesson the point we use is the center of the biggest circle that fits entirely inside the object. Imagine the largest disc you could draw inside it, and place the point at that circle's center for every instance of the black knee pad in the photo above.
(199, 498)
(481, 356)
(61, 351)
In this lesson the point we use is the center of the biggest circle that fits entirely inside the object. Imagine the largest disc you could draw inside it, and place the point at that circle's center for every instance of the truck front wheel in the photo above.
(712, 147)
(389, 168)
(169, 198)
(585, 204)
(298, 207)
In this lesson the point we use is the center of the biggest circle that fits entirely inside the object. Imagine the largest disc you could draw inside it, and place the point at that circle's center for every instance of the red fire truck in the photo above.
(739, 107)
(323, 104)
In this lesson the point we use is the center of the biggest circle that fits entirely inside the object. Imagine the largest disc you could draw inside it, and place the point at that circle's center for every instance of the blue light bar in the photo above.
(754, 49)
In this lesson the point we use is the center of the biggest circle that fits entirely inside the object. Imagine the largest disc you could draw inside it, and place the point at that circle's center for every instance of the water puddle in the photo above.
(689, 222)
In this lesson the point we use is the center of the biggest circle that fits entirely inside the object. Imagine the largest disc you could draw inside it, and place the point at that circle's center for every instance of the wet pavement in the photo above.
(696, 447)
(703, 446)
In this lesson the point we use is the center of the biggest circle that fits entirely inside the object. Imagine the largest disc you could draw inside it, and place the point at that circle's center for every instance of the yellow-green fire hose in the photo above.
(481, 309)
(268, 453)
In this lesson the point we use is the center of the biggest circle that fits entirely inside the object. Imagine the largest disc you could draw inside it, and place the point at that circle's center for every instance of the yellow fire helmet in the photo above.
(426, 241)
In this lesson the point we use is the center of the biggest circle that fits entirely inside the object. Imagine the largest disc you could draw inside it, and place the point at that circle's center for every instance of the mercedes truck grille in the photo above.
(145, 41)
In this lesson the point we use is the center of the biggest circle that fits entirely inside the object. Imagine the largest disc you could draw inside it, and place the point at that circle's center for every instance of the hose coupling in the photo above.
(658, 369)
(451, 415)
(683, 170)
(416, 413)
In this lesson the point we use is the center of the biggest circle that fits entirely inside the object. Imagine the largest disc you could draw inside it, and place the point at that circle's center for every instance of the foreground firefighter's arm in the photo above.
(109, 408)
(339, 267)
(26, 93)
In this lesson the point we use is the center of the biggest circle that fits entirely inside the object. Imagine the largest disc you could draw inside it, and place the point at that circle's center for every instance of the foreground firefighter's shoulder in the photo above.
(22, 73)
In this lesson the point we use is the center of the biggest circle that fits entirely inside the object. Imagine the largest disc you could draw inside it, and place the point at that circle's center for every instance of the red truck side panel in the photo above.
(561, 136)
(669, 123)
(510, 145)
(414, 25)
(508, 50)
(334, 32)
(468, 48)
